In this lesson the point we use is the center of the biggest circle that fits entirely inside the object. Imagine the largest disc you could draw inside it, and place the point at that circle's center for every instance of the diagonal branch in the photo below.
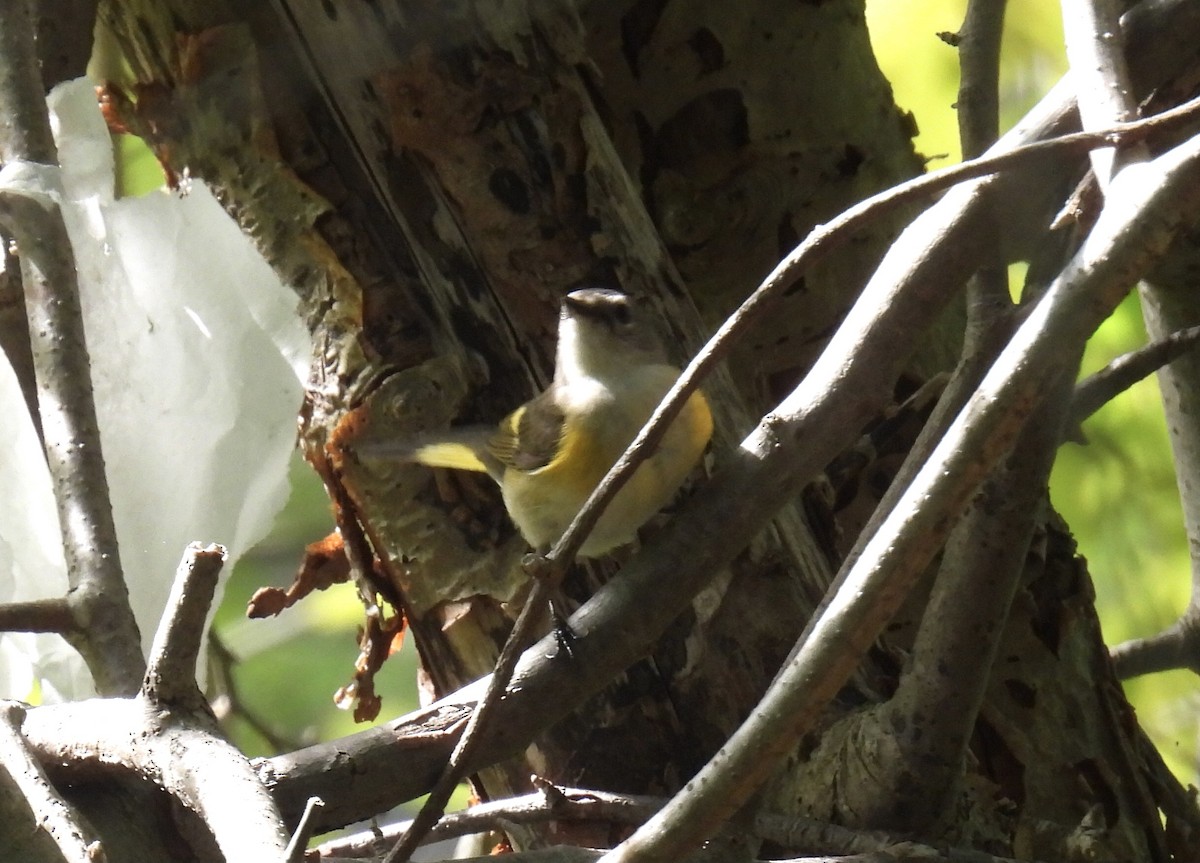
(1097, 390)
(76, 840)
(926, 727)
(472, 737)
(1144, 208)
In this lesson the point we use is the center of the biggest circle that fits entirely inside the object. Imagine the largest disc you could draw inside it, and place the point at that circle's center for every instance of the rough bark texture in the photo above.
(484, 176)
(431, 178)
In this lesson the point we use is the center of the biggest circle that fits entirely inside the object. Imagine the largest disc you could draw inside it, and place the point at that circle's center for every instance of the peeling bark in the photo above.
(430, 182)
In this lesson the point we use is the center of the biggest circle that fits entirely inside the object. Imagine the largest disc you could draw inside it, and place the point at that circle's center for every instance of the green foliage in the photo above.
(923, 67)
(138, 172)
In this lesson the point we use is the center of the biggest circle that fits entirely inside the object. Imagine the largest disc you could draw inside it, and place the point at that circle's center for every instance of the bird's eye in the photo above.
(621, 315)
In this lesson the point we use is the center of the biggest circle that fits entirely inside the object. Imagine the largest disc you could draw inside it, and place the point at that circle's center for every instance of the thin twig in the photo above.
(989, 305)
(456, 768)
(38, 615)
(109, 642)
(174, 656)
(539, 807)
(76, 840)
(304, 831)
(1097, 390)
(794, 833)
(979, 41)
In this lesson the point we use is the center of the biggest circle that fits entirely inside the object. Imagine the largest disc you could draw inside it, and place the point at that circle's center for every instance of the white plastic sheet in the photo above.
(197, 361)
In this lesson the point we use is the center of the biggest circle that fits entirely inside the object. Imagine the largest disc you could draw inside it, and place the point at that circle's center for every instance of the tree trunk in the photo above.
(432, 178)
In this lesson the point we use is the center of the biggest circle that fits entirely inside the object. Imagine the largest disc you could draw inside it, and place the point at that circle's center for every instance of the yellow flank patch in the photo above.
(579, 464)
(448, 454)
(696, 417)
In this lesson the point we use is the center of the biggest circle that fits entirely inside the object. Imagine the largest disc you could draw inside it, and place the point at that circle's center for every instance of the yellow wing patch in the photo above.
(457, 456)
(530, 438)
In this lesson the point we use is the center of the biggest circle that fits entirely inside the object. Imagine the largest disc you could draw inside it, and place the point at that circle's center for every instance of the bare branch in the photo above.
(940, 693)
(171, 674)
(38, 615)
(176, 749)
(299, 842)
(25, 133)
(1103, 91)
(979, 38)
(553, 803)
(1099, 389)
(1171, 308)
(363, 766)
(979, 69)
(166, 734)
(109, 641)
(1169, 301)
(1177, 646)
(76, 839)
(932, 715)
(472, 736)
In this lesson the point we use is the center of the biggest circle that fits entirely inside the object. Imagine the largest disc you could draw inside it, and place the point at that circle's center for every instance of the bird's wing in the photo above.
(462, 448)
(530, 437)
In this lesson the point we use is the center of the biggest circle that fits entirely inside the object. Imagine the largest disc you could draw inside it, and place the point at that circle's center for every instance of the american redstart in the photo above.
(549, 454)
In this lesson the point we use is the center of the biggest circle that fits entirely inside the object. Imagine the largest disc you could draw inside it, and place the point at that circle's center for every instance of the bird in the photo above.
(611, 371)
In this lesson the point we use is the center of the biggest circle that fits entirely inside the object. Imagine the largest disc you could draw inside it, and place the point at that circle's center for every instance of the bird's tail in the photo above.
(462, 448)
